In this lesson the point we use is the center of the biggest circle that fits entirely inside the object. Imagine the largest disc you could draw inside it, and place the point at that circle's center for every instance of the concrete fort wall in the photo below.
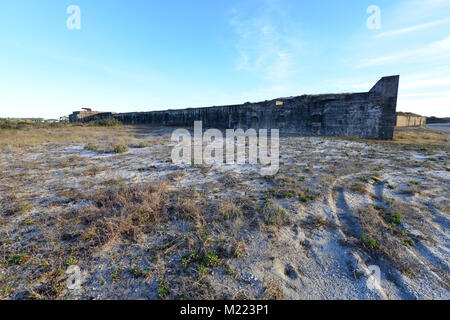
(405, 119)
(85, 116)
(367, 115)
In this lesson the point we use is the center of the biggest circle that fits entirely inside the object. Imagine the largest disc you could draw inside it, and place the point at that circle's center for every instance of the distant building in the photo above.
(87, 115)
(408, 119)
(25, 119)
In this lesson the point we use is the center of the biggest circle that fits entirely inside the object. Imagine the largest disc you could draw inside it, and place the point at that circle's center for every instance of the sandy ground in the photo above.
(342, 208)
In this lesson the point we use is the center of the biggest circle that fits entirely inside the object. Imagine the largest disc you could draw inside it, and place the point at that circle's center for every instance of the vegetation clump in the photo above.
(369, 242)
(120, 148)
(92, 147)
(163, 289)
(18, 259)
(143, 144)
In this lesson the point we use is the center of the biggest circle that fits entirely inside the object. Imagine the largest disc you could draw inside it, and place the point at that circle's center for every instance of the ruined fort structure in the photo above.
(87, 115)
(367, 115)
(408, 119)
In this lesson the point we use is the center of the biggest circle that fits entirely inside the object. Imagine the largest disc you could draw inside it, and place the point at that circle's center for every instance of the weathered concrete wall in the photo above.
(368, 115)
(406, 119)
(83, 116)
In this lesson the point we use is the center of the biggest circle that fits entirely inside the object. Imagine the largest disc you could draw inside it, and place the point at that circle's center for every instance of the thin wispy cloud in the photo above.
(410, 29)
(433, 51)
(425, 93)
(79, 62)
(267, 41)
(427, 106)
(431, 82)
(445, 93)
(415, 43)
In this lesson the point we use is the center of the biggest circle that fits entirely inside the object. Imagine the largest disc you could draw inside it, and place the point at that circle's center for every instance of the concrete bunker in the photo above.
(369, 114)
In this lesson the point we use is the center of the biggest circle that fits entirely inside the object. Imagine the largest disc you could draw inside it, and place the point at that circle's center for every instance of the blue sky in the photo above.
(150, 55)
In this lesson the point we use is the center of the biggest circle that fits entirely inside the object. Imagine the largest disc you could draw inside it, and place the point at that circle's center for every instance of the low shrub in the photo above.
(92, 147)
(120, 148)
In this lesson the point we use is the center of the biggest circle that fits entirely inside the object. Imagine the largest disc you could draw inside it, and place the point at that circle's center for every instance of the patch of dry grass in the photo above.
(186, 207)
(18, 140)
(410, 138)
(126, 212)
(274, 215)
(420, 136)
(383, 235)
(14, 205)
(272, 291)
(358, 187)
